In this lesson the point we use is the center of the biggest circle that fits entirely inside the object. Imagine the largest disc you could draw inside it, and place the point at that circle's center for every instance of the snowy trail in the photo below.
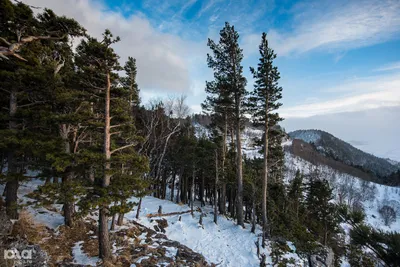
(225, 244)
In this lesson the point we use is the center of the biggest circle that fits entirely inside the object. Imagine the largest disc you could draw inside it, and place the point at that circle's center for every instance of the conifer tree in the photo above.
(228, 94)
(98, 64)
(129, 82)
(263, 102)
(27, 53)
(322, 214)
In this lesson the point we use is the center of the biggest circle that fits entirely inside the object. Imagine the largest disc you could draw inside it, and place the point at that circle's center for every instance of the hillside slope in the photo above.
(339, 150)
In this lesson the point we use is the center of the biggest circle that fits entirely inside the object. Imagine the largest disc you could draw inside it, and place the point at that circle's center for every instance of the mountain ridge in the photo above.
(337, 149)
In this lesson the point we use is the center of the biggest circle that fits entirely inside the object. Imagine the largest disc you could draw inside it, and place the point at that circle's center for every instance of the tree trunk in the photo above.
(173, 186)
(12, 199)
(104, 239)
(202, 190)
(253, 209)
(265, 179)
(232, 201)
(178, 193)
(120, 219)
(66, 179)
(192, 192)
(13, 184)
(222, 203)
(239, 171)
(68, 206)
(223, 189)
(184, 190)
(164, 184)
(216, 188)
(113, 222)
(138, 208)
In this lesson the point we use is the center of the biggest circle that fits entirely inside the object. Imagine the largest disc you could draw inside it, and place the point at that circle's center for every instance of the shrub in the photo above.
(388, 214)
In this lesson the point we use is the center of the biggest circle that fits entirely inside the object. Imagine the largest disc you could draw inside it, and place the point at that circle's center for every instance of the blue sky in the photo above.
(335, 57)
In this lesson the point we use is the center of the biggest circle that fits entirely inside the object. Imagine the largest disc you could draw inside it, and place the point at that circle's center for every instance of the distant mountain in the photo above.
(394, 162)
(337, 149)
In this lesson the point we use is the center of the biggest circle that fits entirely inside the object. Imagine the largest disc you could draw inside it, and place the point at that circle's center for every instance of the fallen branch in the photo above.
(168, 214)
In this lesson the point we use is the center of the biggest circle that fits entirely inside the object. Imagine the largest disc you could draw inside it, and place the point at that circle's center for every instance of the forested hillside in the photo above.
(337, 149)
(92, 175)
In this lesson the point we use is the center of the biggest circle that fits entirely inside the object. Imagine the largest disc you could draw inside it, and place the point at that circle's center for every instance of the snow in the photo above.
(80, 257)
(44, 216)
(393, 162)
(225, 244)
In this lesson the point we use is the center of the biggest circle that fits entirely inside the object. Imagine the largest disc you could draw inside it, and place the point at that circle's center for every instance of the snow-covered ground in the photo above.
(225, 244)
(81, 258)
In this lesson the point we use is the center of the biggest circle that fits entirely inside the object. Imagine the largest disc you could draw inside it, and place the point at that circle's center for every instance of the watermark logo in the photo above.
(14, 254)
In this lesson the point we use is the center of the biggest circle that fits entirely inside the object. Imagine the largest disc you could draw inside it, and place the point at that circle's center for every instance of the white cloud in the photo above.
(389, 67)
(368, 93)
(336, 26)
(162, 59)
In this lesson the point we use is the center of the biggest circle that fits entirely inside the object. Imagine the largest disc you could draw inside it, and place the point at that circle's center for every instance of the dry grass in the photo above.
(26, 228)
(57, 245)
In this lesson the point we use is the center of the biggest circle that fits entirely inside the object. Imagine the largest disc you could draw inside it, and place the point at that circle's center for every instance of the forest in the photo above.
(72, 117)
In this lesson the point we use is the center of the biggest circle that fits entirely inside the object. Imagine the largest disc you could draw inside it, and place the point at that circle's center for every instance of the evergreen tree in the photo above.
(295, 193)
(321, 212)
(129, 82)
(121, 165)
(31, 43)
(229, 91)
(263, 102)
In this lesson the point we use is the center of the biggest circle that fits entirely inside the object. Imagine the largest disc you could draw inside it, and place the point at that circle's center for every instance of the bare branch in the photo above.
(116, 133)
(123, 147)
(117, 125)
(13, 48)
(5, 90)
(31, 104)
(5, 41)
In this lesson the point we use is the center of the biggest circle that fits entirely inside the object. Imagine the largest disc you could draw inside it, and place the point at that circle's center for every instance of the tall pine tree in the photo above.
(229, 94)
(263, 102)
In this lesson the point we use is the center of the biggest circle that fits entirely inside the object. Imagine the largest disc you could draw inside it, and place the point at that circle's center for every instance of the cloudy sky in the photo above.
(339, 60)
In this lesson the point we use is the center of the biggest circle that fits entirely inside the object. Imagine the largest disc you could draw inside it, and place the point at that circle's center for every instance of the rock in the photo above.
(323, 258)
(6, 224)
(31, 255)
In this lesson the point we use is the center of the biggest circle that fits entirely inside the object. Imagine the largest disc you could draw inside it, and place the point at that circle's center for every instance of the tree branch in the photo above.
(123, 147)
(14, 47)
(117, 125)
(31, 104)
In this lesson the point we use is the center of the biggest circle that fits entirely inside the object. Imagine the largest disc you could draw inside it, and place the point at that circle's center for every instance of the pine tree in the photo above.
(295, 193)
(28, 54)
(263, 102)
(322, 214)
(129, 82)
(229, 91)
(121, 164)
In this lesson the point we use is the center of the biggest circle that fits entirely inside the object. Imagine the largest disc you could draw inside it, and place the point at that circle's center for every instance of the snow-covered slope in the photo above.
(333, 147)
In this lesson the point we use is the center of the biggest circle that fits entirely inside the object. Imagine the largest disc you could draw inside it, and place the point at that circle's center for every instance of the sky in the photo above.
(339, 60)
